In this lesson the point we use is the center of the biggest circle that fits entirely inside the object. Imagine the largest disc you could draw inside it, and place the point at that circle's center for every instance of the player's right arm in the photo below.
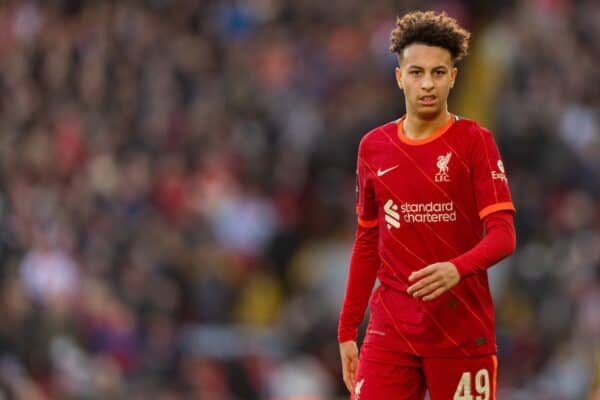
(364, 263)
(361, 278)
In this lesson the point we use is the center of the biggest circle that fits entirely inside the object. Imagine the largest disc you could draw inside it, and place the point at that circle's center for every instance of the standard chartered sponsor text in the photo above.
(428, 212)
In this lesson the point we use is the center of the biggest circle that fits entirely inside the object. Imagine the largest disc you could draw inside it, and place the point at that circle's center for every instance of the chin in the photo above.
(429, 113)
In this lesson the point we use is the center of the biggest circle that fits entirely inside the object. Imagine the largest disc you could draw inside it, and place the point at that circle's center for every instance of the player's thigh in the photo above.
(461, 378)
(377, 380)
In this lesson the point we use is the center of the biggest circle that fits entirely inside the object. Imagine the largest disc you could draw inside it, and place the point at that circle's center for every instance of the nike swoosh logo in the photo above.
(385, 171)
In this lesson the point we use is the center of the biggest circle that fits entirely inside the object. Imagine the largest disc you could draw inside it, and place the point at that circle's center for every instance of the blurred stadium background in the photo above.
(176, 190)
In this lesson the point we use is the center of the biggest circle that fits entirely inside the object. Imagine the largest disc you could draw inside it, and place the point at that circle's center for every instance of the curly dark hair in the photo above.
(431, 29)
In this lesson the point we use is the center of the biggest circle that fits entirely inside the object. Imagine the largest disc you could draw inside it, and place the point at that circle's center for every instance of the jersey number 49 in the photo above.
(482, 386)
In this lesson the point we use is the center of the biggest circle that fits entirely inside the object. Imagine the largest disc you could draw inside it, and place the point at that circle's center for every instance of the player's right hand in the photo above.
(349, 356)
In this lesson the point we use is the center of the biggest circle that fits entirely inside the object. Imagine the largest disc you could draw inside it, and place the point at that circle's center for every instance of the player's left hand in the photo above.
(433, 280)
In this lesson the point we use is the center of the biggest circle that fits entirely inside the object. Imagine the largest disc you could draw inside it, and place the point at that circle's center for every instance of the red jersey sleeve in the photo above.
(489, 177)
(366, 205)
(364, 260)
(498, 243)
(364, 263)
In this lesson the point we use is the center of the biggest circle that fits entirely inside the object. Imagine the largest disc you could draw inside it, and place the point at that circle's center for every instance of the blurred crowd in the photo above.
(548, 125)
(177, 192)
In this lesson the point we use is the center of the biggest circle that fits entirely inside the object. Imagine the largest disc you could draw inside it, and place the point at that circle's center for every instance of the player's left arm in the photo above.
(499, 242)
(494, 203)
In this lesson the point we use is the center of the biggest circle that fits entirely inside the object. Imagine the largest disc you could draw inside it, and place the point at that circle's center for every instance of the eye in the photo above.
(440, 72)
(415, 72)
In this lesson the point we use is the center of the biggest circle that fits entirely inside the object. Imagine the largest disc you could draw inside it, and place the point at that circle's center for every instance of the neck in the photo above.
(418, 128)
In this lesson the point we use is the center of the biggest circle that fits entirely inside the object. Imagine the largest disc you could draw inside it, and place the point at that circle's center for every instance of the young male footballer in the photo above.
(434, 212)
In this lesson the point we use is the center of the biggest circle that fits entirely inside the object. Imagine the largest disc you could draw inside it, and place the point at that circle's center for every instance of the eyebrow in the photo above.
(419, 67)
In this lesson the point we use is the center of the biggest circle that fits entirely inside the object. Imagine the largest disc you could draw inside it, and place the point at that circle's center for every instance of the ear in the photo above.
(453, 76)
(398, 73)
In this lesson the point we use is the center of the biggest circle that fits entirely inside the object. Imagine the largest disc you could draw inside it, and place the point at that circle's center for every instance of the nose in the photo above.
(427, 82)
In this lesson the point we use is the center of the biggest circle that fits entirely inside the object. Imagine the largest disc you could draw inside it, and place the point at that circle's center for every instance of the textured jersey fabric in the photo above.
(421, 202)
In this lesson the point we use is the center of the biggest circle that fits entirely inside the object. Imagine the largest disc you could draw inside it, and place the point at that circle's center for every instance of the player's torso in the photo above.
(427, 212)
(425, 195)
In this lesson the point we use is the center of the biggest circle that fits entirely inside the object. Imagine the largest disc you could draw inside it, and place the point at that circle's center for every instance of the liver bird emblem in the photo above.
(442, 162)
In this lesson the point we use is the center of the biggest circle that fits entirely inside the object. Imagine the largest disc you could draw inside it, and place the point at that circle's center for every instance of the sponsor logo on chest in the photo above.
(392, 218)
(411, 213)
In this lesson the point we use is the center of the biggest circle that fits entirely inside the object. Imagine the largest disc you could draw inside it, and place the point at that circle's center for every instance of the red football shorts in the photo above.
(387, 372)
(472, 378)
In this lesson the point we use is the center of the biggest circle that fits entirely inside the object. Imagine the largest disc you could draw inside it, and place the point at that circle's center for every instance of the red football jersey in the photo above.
(428, 198)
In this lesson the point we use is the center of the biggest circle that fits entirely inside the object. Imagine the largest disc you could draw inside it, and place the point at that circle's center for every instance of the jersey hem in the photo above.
(382, 355)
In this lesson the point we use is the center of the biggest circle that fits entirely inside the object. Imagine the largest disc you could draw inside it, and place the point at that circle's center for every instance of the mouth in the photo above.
(428, 100)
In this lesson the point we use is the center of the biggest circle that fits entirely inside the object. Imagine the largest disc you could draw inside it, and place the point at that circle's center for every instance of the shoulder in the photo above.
(376, 136)
(471, 130)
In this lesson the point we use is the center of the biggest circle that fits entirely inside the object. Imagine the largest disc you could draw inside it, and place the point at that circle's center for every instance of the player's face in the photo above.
(426, 75)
